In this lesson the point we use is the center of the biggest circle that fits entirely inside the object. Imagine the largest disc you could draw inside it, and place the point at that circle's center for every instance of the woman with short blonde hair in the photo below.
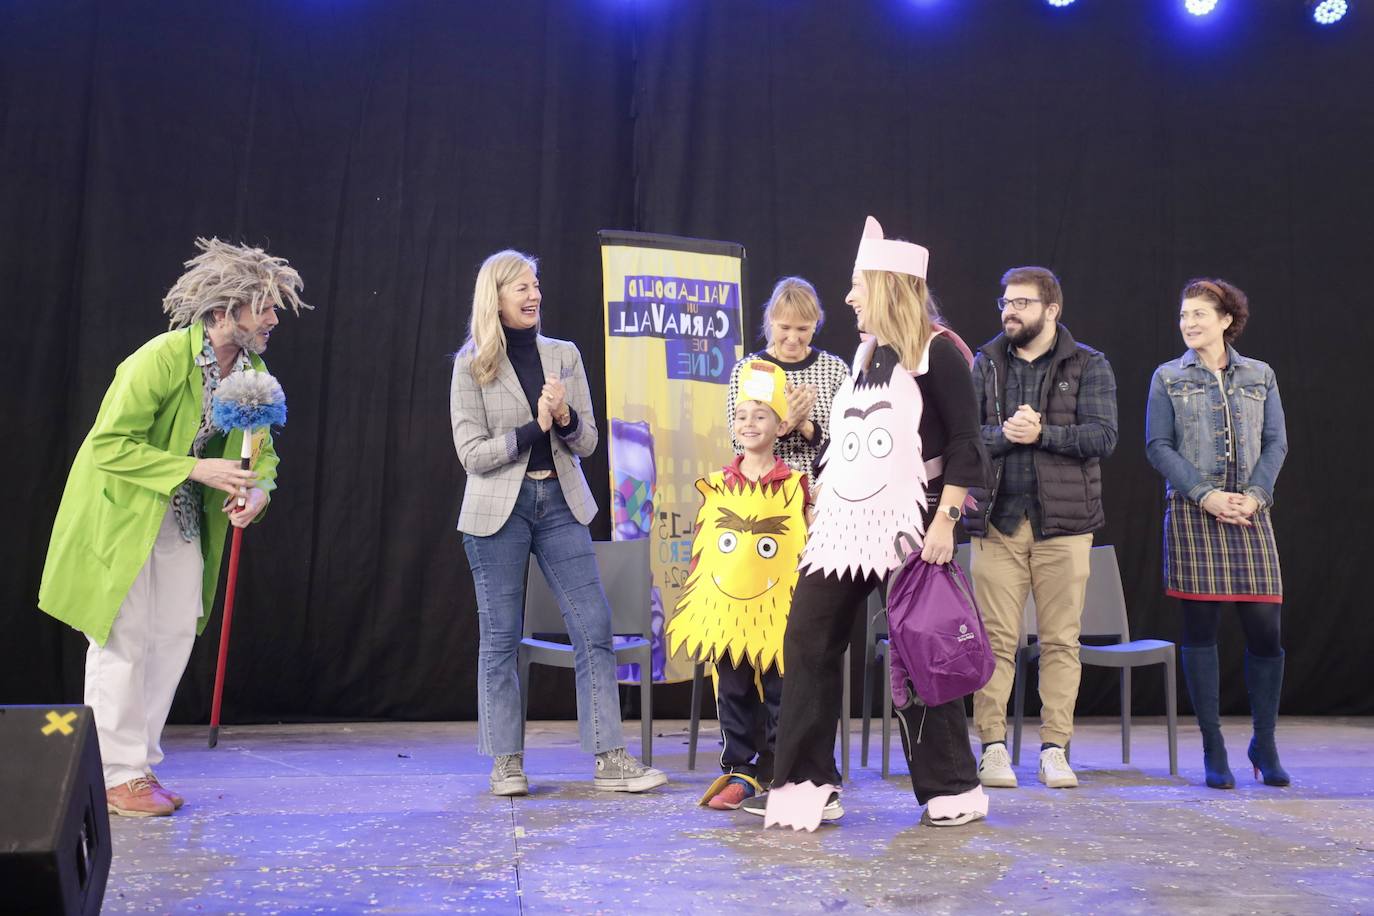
(791, 318)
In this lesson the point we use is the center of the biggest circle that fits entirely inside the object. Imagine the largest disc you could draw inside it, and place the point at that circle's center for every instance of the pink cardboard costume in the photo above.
(873, 478)
(870, 506)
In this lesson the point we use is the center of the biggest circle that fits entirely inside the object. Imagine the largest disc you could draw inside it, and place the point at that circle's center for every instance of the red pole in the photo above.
(224, 634)
(245, 462)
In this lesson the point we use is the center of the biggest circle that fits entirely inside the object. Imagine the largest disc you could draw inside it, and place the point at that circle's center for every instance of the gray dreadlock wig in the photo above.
(225, 276)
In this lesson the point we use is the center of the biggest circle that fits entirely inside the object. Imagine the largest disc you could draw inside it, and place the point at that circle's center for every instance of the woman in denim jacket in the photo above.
(1215, 430)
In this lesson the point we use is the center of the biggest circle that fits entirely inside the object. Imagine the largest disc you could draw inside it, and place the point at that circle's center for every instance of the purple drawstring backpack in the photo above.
(939, 647)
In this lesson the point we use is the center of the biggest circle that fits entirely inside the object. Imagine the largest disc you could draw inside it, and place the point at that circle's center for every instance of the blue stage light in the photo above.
(1199, 7)
(1328, 11)
(1059, 2)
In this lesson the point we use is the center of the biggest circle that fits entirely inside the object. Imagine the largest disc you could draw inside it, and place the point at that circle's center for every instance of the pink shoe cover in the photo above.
(950, 806)
(797, 805)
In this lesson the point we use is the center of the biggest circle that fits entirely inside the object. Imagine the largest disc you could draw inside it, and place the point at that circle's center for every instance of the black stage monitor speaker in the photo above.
(54, 830)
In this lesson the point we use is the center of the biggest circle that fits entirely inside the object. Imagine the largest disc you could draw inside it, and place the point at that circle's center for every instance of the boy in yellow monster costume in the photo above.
(733, 611)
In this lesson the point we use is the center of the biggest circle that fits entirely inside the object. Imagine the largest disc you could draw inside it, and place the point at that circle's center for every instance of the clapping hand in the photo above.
(1023, 427)
(800, 400)
(555, 396)
(556, 393)
(545, 414)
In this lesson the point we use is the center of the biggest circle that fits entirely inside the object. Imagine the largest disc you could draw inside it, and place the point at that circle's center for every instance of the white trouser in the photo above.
(131, 680)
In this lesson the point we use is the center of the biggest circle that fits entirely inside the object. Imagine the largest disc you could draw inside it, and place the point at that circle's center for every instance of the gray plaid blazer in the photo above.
(484, 424)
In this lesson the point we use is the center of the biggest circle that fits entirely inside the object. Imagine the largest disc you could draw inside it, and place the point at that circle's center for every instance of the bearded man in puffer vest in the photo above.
(1048, 406)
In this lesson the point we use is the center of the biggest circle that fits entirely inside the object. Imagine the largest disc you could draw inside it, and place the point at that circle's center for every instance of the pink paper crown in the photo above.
(878, 253)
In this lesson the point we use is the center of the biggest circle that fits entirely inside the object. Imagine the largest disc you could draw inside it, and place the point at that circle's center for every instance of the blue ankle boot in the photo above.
(1200, 674)
(1264, 680)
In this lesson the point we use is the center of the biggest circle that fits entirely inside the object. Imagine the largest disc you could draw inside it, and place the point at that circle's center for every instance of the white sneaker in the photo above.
(994, 769)
(1055, 771)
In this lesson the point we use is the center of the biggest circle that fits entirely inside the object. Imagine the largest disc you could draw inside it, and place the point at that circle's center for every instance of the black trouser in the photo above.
(818, 627)
(741, 719)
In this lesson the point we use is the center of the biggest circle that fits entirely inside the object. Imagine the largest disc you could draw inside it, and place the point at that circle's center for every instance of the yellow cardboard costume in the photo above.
(744, 568)
(734, 605)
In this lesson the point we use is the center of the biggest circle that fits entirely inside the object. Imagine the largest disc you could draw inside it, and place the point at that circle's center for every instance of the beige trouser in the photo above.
(131, 680)
(1005, 570)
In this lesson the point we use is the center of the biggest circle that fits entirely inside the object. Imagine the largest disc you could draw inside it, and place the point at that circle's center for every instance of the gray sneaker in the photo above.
(617, 771)
(758, 805)
(508, 775)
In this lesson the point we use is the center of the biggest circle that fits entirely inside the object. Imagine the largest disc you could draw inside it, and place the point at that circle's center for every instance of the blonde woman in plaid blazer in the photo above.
(522, 420)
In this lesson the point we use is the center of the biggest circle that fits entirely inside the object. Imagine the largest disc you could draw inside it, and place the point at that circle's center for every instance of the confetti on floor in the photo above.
(397, 818)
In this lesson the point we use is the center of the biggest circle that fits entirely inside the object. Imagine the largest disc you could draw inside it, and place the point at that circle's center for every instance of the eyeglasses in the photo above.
(1016, 305)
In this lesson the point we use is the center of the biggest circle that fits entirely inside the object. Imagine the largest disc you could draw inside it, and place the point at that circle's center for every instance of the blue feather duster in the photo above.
(248, 400)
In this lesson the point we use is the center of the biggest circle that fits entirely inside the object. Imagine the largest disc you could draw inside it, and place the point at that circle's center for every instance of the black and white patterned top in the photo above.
(186, 499)
(824, 370)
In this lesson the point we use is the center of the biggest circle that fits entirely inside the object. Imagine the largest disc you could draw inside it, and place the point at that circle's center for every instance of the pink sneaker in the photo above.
(732, 796)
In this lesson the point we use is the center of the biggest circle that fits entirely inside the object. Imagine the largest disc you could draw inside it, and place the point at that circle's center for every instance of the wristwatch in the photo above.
(951, 512)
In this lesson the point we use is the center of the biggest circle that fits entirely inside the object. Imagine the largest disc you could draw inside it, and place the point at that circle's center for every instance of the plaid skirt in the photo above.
(1206, 560)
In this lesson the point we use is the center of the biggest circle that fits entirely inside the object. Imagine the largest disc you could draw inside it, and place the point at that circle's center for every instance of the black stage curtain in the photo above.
(386, 147)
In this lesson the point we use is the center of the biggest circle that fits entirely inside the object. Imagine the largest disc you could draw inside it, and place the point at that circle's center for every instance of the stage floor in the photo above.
(396, 818)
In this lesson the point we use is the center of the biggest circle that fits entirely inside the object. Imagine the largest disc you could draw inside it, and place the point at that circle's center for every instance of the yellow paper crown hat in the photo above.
(760, 380)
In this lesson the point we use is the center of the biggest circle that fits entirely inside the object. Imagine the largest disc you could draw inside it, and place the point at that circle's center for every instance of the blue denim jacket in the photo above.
(1185, 426)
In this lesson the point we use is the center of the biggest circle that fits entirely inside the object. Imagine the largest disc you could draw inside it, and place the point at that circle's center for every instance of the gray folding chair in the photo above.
(624, 569)
(877, 647)
(694, 726)
(1104, 616)
(877, 666)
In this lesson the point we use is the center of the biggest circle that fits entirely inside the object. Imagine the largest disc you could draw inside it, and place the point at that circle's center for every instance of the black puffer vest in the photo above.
(1070, 489)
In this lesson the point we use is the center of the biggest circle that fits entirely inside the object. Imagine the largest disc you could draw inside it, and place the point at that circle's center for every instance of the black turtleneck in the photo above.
(522, 349)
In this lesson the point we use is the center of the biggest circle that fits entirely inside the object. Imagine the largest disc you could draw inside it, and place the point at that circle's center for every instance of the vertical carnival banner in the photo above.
(673, 333)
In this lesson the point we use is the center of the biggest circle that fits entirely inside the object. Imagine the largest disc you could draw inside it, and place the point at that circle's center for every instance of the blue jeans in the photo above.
(541, 523)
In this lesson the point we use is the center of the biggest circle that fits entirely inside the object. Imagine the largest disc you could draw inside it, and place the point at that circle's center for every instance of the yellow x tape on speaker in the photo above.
(62, 723)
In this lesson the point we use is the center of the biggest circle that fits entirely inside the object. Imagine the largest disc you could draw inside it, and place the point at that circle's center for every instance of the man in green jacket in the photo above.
(135, 552)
